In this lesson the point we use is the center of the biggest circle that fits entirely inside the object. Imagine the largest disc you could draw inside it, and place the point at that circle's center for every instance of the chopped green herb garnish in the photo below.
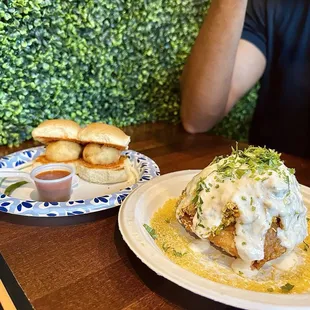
(243, 243)
(287, 194)
(165, 247)
(167, 221)
(306, 246)
(258, 163)
(308, 219)
(270, 289)
(200, 225)
(178, 254)
(195, 200)
(240, 173)
(240, 273)
(216, 159)
(253, 160)
(151, 231)
(201, 185)
(287, 287)
(287, 179)
(292, 170)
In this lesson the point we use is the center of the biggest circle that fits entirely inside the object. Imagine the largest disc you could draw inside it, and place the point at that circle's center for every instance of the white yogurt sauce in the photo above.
(200, 246)
(287, 262)
(243, 268)
(259, 199)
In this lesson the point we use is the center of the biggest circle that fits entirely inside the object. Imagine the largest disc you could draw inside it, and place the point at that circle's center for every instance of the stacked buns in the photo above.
(61, 137)
(102, 161)
(95, 151)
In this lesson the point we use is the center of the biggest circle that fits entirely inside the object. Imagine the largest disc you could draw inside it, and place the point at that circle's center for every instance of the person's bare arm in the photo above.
(220, 69)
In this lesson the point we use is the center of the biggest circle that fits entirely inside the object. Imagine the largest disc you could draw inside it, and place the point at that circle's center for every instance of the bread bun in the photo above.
(104, 134)
(63, 151)
(56, 129)
(100, 154)
(104, 174)
(42, 160)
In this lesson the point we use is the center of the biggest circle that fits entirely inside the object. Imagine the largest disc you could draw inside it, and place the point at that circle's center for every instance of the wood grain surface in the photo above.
(82, 262)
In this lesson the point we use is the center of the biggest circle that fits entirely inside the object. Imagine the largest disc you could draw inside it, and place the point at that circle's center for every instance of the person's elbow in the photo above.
(190, 128)
(193, 124)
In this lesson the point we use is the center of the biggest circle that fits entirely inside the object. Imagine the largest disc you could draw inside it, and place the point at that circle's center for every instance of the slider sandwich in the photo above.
(61, 138)
(102, 161)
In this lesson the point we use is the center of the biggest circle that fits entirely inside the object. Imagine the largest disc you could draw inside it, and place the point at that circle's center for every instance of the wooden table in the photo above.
(83, 263)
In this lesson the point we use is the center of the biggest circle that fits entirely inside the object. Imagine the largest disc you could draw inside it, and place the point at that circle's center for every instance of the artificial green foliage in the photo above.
(117, 61)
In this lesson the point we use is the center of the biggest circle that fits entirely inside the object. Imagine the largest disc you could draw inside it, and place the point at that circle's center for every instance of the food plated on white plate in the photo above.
(249, 205)
(241, 221)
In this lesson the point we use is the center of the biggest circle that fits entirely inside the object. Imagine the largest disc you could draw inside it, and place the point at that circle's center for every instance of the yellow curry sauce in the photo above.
(176, 245)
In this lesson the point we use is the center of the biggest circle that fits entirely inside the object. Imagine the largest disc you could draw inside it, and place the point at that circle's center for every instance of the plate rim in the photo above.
(79, 206)
(172, 273)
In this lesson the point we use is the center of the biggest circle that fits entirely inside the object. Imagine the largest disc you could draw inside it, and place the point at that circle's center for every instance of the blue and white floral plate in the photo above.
(86, 198)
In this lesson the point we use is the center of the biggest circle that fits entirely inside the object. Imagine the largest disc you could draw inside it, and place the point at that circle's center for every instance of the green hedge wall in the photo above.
(117, 61)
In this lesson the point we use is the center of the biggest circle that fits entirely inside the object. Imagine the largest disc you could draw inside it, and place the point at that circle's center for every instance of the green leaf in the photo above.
(165, 247)
(240, 173)
(292, 170)
(195, 200)
(178, 254)
(151, 231)
(10, 189)
(287, 288)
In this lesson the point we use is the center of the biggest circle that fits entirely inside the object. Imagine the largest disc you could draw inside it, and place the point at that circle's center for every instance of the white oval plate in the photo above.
(138, 208)
(86, 197)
